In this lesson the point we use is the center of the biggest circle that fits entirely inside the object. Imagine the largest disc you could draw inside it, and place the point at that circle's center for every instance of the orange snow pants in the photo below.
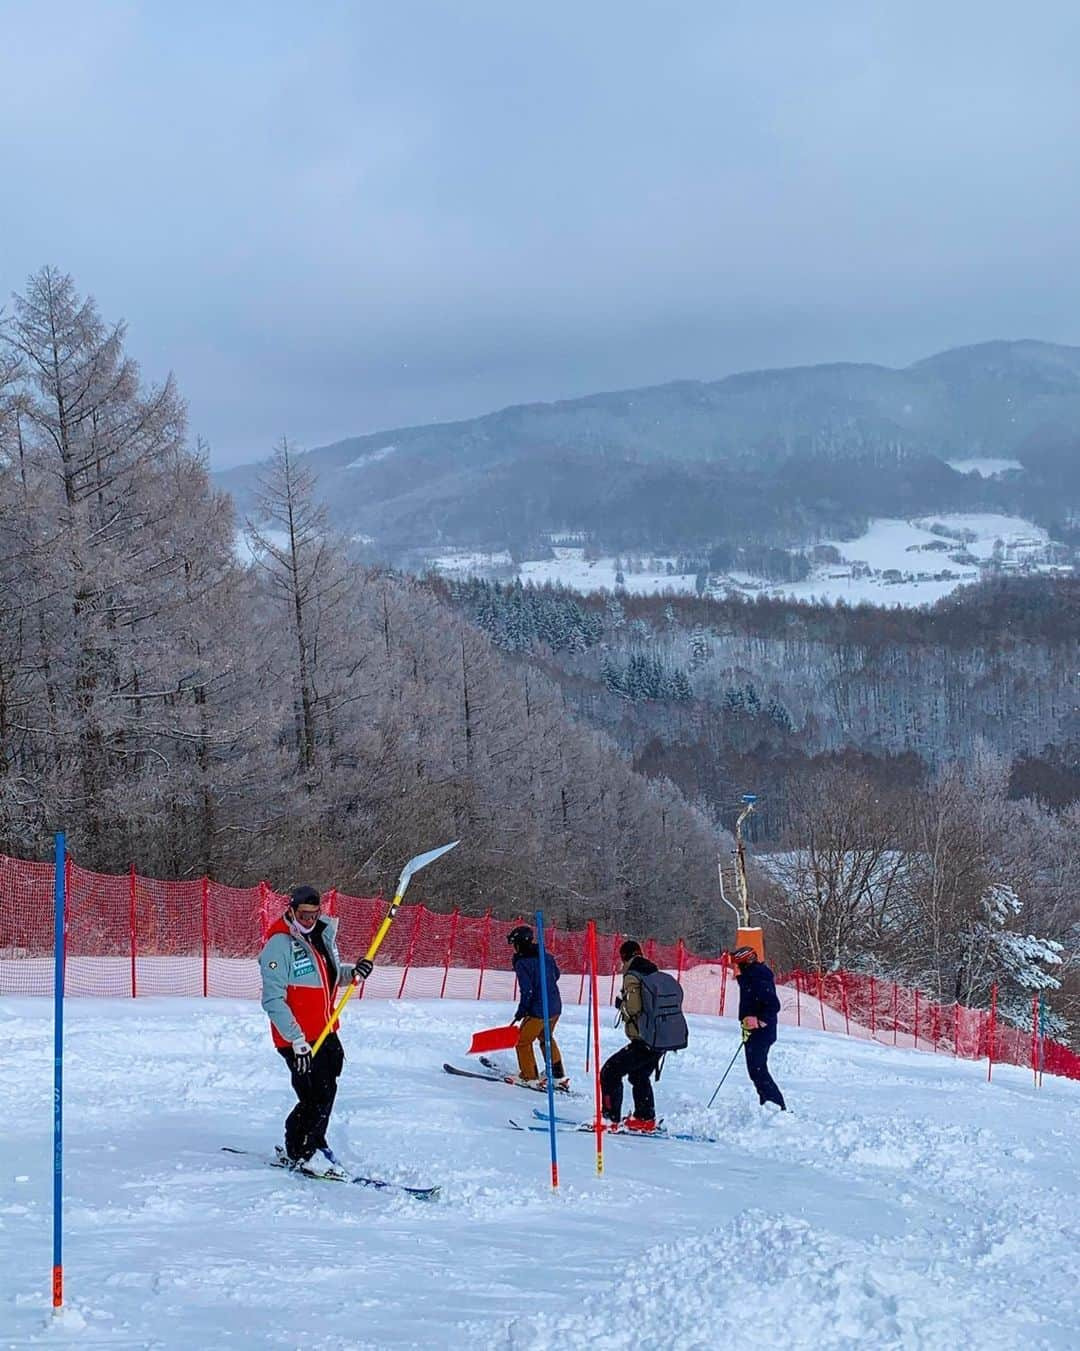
(532, 1031)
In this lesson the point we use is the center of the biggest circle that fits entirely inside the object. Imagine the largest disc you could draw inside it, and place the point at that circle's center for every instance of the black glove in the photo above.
(363, 969)
(301, 1057)
(618, 1001)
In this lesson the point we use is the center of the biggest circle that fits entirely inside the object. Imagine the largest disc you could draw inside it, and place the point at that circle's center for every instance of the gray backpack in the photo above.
(660, 1023)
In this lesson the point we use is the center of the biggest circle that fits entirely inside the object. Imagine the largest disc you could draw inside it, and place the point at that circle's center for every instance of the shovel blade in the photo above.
(494, 1039)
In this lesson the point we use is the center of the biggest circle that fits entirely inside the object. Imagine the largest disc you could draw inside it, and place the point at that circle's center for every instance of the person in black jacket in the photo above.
(530, 1009)
(758, 1009)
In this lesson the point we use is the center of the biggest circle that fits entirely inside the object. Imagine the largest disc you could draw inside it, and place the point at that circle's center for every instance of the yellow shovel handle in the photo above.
(376, 943)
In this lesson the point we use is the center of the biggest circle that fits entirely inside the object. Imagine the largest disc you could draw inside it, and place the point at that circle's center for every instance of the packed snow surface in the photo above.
(902, 1202)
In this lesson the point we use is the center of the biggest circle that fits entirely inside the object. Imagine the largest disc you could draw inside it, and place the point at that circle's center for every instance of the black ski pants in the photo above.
(305, 1126)
(757, 1065)
(638, 1064)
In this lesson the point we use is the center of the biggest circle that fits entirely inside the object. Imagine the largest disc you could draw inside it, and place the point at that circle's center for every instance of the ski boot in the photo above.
(534, 1084)
(560, 1085)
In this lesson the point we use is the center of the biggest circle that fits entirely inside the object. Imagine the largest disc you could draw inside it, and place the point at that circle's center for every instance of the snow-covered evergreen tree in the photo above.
(1017, 961)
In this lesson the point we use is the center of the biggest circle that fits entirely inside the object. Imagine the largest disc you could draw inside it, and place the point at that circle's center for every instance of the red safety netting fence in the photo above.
(131, 935)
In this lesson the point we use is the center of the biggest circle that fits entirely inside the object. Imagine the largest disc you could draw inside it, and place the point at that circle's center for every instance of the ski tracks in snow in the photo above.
(903, 1202)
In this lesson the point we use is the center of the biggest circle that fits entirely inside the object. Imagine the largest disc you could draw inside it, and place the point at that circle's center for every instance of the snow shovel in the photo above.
(413, 866)
(494, 1039)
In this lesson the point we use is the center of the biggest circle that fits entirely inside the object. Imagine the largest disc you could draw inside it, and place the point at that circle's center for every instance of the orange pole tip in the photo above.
(57, 1286)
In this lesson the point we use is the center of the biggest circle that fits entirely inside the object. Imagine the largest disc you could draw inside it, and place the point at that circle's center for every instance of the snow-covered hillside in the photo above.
(902, 1202)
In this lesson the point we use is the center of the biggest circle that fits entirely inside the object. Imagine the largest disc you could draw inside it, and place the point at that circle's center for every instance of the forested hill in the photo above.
(781, 456)
(294, 718)
(711, 690)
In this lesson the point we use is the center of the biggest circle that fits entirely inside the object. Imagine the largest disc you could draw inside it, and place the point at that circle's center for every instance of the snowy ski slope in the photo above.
(903, 1202)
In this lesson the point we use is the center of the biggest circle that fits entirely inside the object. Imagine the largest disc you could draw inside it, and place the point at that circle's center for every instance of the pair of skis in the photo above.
(281, 1160)
(563, 1123)
(496, 1076)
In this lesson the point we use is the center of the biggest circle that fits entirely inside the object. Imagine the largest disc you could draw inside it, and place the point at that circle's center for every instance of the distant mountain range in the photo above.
(779, 456)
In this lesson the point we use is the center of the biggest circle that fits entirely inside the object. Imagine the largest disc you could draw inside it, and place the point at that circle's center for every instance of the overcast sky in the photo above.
(334, 218)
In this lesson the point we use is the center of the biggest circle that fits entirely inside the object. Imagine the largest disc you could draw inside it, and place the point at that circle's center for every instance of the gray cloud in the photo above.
(333, 218)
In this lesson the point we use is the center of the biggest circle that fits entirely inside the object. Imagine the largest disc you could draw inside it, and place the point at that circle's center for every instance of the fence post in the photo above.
(132, 908)
(205, 936)
(873, 1009)
(723, 982)
(264, 909)
(376, 921)
(1042, 1034)
(409, 953)
(798, 999)
(484, 951)
(821, 998)
(449, 951)
(895, 1011)
(844, 1003)
(916, 1020)
(1035, 1040)
(990, 1036)
(680, 957)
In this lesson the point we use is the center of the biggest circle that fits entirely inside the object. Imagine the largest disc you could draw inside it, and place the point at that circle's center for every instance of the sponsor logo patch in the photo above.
(302, 962)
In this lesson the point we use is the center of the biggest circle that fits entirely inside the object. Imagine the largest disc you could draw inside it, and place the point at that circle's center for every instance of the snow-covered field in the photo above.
(902, 1202)
(984, 466)
(570, 568)
(890, 564)
(897, 546)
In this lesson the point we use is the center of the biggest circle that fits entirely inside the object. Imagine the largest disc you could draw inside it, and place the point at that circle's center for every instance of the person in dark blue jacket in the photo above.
(530, 1009)
(758, 1009)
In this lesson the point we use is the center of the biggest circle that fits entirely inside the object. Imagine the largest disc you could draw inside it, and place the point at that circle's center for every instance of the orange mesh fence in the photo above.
(131, 936)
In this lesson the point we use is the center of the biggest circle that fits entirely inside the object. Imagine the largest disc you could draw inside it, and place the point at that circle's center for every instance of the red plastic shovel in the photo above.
(494, 1039)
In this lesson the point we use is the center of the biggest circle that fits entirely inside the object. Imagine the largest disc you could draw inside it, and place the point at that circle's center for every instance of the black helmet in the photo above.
(519, 936)
(303, 896)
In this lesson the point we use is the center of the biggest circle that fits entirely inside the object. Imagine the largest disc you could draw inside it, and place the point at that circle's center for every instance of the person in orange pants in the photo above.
(530, 1009)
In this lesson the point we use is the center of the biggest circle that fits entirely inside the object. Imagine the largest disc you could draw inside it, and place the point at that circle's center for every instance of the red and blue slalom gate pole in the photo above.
(60, 912)
(547, 1047)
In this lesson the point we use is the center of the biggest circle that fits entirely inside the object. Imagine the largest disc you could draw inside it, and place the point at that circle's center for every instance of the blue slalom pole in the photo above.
(60, 914)
(547, 1047)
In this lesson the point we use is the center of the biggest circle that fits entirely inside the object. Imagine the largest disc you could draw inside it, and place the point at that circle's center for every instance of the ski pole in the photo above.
(728, 1070)
(413, 866)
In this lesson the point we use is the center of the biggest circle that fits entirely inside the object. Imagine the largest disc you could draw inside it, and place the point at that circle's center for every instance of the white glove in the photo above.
(301, 1056)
